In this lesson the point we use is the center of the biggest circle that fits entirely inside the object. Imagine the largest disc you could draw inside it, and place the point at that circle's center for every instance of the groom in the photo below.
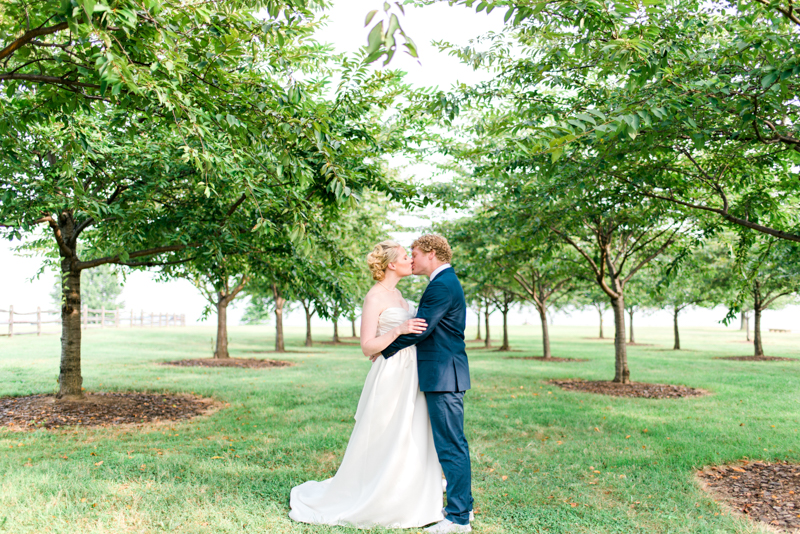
(443, 372)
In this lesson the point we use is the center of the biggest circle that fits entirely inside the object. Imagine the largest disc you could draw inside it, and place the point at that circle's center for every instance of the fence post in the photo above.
(183, 319)
(103, 316)
(131, 318)
(141, 318)
(11, 321)
(151, 320)
(38, 321)
(116, 318)
(85, 316)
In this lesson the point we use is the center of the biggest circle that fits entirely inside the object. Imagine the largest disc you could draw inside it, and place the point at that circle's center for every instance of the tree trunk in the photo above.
(747, 326)
(488, 341)
(757, 309)
(279, 303)
(630, 313)
(545, 333)
(600, 314)
(478, 337)
(622, 374)
(70, 381)
(741, 321)
(222, 328)
(677, 345)
(353, 325)
(759, 349)
(505, 346)
(309, 341)
(336, 325)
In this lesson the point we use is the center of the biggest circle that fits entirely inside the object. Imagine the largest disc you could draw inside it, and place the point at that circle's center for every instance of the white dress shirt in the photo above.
(438, 270)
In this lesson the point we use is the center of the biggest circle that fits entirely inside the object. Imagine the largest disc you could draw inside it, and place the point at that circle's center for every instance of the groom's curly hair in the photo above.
(434, 242)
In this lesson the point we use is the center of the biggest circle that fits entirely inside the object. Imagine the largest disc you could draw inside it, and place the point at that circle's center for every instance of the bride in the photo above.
(390, 474)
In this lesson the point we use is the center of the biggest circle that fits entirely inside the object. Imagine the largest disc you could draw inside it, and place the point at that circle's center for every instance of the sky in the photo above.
(345, 30)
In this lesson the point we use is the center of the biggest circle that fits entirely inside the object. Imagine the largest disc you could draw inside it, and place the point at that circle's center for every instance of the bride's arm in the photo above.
(371, 343)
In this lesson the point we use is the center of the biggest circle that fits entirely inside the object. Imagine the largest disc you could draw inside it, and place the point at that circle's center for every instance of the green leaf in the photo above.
(769, 79)
(370, 16)
(412, 48)
(88, 7)
(375, 38)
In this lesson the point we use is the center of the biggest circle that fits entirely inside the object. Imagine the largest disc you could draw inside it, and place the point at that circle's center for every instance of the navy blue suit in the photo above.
(444, 377)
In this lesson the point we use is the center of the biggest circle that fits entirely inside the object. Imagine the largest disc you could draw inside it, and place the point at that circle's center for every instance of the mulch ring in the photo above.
(765, 492)
(244, 363)
(100, 409)
(633, 389)
(543, 359)
(756, 359)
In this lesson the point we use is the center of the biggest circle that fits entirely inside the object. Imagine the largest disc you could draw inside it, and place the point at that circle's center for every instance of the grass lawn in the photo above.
(544, 460)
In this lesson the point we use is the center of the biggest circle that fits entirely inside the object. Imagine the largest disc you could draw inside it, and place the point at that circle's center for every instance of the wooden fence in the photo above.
(90, 318)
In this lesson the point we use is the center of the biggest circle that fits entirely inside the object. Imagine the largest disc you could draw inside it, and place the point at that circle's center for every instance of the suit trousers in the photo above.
(446, 411)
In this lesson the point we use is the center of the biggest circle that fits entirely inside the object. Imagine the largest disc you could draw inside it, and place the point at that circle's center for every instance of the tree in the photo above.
(769, 272)
(275, 278)
(130, 201)
(503, 297)
(221, 298)
(546, 275)
(589, 295)
(111, 150)
(637, 297)
(703, 277)
(615, 233)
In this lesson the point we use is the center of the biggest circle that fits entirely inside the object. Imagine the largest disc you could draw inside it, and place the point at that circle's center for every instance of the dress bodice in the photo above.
(394, 316)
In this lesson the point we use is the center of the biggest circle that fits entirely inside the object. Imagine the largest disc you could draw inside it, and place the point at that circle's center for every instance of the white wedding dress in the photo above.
(390, 474)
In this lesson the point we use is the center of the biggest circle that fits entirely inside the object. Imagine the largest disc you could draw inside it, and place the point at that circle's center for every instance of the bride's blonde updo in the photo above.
(381, 256)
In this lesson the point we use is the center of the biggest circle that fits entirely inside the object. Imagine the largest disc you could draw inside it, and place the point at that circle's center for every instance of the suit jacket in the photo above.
(441, 356)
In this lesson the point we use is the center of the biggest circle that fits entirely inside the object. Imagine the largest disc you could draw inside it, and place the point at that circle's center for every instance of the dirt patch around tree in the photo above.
(756, 359)
(101, 409)
(543, 359)
(242, 363)
(633, 389)
(764, 492)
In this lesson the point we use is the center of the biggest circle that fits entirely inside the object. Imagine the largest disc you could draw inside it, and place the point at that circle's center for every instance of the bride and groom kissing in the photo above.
(410, 418)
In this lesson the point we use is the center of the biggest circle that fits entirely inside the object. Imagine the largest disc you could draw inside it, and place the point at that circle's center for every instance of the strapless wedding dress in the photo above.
(390, 474)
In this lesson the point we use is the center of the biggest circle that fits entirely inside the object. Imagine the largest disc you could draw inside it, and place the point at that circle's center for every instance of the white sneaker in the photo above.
(471, 515)
(445, 526)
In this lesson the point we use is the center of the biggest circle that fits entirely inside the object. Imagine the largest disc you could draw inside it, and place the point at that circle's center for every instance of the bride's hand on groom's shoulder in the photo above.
(412, 326)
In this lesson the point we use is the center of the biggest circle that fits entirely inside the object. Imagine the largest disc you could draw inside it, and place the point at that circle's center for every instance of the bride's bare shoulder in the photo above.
(374, 298)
